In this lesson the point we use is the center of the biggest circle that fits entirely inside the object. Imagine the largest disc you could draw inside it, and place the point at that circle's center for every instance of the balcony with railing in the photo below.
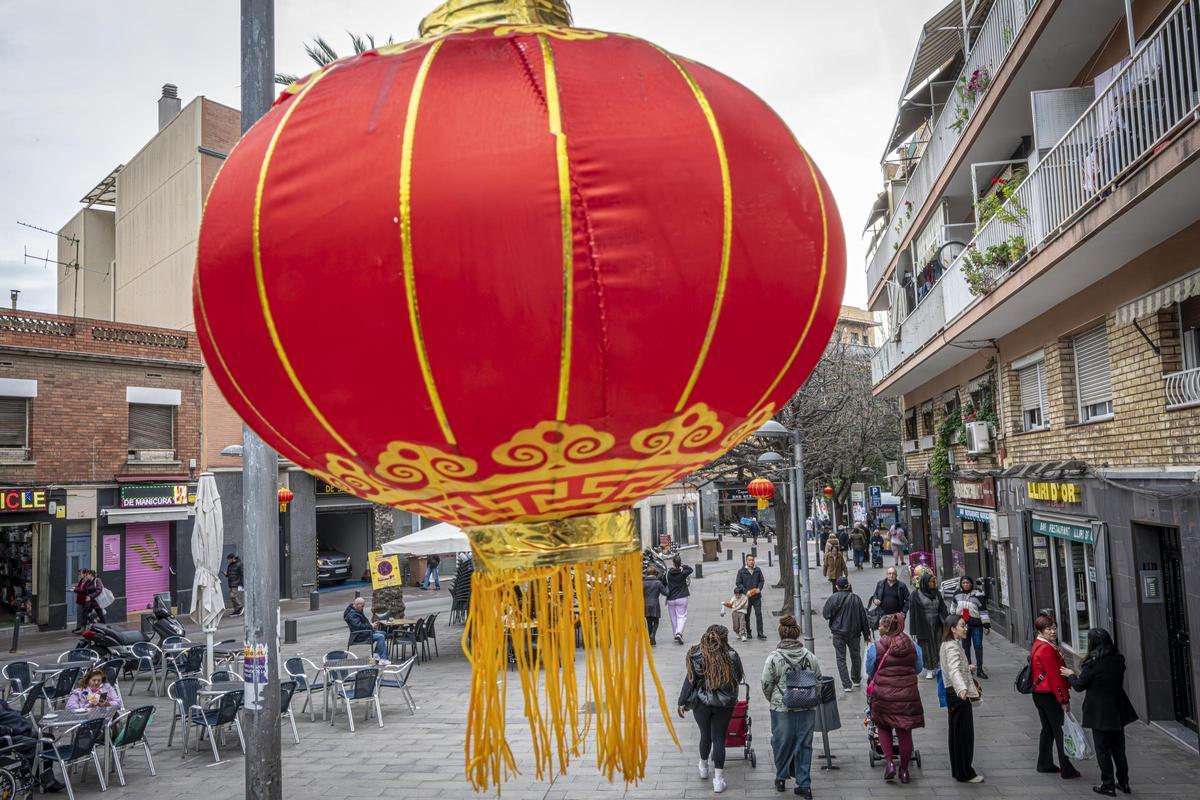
(1156, 93)
(1182, 388)
(988, 50)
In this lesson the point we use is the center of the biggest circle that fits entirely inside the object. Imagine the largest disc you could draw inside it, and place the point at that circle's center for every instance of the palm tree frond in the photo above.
(285, 78)
(357, 42)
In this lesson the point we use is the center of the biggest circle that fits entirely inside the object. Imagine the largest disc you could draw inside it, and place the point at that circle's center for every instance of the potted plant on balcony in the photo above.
(1001, 201)
(969, 89)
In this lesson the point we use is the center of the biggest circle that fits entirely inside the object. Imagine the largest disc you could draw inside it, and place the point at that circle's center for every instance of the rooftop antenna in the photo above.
(73, 264)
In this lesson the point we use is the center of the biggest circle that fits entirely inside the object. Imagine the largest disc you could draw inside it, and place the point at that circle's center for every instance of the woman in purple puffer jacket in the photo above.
(893, 664)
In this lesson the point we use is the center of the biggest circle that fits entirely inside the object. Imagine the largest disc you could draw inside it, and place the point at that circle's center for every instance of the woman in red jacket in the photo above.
(1051, 696)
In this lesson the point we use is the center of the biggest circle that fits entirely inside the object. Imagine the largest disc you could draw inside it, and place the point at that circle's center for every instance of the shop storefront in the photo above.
(27, 517)
(1063, 565)
(978, 545)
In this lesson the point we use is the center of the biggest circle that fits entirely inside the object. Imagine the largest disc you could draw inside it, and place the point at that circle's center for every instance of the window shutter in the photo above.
(13, 413)
(1033, 387)
(1092, 380)
(151, 427)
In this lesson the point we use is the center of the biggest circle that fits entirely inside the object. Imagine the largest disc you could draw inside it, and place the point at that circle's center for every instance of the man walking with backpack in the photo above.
(790, 682)
(847, 622)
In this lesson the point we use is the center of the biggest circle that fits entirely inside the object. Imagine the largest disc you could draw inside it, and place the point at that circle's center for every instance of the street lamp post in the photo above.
(260, 474)
(802, 603)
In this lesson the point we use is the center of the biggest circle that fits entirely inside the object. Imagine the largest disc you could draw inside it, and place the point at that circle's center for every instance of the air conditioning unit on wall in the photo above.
(979, 438)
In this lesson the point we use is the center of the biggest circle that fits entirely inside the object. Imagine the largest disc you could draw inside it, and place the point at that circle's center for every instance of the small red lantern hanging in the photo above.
(285, 497)
(763, 490)
(827, 491)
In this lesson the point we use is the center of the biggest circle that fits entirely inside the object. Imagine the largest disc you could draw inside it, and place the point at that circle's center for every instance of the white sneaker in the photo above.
(702, 766)
(383, 662)
(718, 782)
(977, 779)
(846, 689)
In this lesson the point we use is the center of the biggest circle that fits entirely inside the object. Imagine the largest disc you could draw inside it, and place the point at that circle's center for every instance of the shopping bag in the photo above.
(105, 598)
(1075, 741)
(941, 688)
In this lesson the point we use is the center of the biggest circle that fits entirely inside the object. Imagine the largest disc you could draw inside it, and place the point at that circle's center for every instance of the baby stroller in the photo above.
(740, 733)
(874, 749)
(876, 556)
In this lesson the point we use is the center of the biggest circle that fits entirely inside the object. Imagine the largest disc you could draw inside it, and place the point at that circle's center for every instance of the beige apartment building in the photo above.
(1035, 270)
(856, 327)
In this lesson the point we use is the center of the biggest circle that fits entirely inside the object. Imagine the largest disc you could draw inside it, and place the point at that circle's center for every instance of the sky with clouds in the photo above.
(83, 79)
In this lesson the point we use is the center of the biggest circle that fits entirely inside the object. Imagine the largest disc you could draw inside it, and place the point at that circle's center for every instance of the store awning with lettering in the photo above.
(1060, 528)
(976, 514)
(1164, 296)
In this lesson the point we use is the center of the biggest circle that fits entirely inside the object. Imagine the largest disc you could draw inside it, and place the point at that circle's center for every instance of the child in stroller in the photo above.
(874, 748)
(877, 543)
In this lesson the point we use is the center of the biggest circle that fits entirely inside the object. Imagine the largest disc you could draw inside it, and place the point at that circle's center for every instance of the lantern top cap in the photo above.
(453, 13)
(770, 457)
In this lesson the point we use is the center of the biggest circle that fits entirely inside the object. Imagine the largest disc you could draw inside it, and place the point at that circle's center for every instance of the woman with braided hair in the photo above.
(710, 691)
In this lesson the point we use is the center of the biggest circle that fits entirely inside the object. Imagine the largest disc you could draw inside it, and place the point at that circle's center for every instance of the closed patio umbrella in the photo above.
(208, 604)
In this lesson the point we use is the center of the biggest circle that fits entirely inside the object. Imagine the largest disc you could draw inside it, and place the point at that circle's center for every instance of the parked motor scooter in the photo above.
(110, 641)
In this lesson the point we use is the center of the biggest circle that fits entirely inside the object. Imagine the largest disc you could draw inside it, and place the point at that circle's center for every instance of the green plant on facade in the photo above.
(1003, 204)
(1007, 36)
(954, 429)
(981, 267)
(969, 89)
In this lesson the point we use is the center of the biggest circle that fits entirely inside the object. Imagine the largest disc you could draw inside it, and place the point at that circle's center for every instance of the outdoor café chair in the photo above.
(431, 634)
(186, 663)
(171, 641)
(223, 676)
(215, 717)
(362, 687)
(406, 637)
(396, 677)
(61, 686)
(287, 690)
(86, 739)
(79, 654)
(112, 670)
(132, 734)
(184, 693)
(148, 659)
(18, 676)
(30, 698)
(297, 670)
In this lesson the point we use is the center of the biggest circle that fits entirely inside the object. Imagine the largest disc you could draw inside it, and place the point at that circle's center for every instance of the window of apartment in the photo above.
(980, 391)
(1093, 381)
(927, 417)
(151, 427)
(14, 423)
(952, 409)
(910, 424)
(854, 338)
(1031, 390)
(1189, 331)
(658, 522)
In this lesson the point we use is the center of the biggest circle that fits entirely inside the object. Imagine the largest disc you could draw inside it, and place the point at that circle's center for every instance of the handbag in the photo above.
(879, 666)
(105, 598)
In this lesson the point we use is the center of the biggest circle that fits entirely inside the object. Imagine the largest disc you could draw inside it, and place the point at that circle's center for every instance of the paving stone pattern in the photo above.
(421, 756)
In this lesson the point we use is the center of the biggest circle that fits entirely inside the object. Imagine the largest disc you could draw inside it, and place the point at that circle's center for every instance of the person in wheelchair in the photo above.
(18, 748)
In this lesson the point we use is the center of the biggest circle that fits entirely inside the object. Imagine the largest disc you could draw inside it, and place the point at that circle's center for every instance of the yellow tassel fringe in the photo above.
(536, 615)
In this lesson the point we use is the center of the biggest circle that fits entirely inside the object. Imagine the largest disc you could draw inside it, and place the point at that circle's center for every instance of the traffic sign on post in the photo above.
(876, 496)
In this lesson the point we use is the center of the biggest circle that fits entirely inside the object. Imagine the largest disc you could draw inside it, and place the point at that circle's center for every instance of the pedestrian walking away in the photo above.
(961, 691)
(928, 612)
(835, 562)
(847, 624)
(893, 664)
(738, 604)
(751, 581)
(652, 589)
(1106, 708)
(971, 602)
(677, 596)
(1051, 696)
(791, 725)
(898, 538)
(433, 565)
(710, 691)
(891, 595)
(235, 579)
(858, 545)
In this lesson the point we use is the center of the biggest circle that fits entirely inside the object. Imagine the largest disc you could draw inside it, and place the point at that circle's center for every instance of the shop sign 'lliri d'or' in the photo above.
(1054, 492)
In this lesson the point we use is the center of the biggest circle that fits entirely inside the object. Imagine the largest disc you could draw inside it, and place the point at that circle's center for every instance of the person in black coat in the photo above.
(891, 594)
(1106, 708)
(652, 589)
(751, 581)
(234, 576)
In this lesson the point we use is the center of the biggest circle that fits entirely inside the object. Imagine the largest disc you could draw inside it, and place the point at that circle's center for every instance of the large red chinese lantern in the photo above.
(762, 490)
(502, 276)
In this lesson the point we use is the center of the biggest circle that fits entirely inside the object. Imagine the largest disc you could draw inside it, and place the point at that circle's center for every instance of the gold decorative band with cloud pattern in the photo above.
(455, 13)
(526, 545)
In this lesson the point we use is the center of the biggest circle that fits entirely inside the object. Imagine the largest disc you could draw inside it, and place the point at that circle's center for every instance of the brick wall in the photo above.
(79, 421)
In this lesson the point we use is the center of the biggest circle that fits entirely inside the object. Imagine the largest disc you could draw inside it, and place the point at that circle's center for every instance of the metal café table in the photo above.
(393, 645)
(67, 719)
(342, 665)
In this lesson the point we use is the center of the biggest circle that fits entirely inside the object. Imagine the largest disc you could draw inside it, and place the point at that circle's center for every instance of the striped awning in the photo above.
(1164, 296)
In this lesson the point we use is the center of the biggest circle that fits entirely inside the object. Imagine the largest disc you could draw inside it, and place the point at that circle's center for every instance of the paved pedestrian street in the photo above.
(421, 756)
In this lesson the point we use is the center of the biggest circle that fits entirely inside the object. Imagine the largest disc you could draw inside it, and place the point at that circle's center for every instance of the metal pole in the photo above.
(260, 473)
(1129, 26)
(800, 554)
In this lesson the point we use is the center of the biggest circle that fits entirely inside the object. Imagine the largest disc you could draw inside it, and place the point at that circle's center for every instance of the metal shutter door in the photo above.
(1092, 381)
(12, 421)
(147, 563)
(150, 427)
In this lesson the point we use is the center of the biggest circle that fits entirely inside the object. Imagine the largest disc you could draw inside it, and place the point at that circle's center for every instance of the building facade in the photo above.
(99, 449)
(1036, 279)
(670, 515)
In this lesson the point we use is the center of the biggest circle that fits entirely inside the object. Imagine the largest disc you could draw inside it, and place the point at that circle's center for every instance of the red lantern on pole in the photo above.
(499, 276)
(761, 489)
(827, 491)
(285, 497)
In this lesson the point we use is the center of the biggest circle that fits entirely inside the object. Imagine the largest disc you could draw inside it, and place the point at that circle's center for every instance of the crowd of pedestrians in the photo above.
(926, 632)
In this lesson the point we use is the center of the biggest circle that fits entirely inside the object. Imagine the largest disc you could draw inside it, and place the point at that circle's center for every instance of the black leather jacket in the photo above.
(698, 692)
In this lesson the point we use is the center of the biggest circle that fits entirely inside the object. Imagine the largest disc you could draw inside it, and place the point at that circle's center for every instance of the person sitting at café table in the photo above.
(94, 691)
(359, 625)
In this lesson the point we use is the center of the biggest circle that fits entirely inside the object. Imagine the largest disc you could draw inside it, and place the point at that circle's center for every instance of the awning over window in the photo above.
(879, 210)
(1163, 297)
(915, 110)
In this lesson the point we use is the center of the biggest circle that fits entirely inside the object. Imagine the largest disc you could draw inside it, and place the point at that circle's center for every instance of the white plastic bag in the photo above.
(1075, 741)
(105, 598)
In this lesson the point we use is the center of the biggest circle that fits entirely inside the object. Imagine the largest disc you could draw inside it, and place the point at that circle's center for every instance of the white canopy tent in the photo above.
(436, 539)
